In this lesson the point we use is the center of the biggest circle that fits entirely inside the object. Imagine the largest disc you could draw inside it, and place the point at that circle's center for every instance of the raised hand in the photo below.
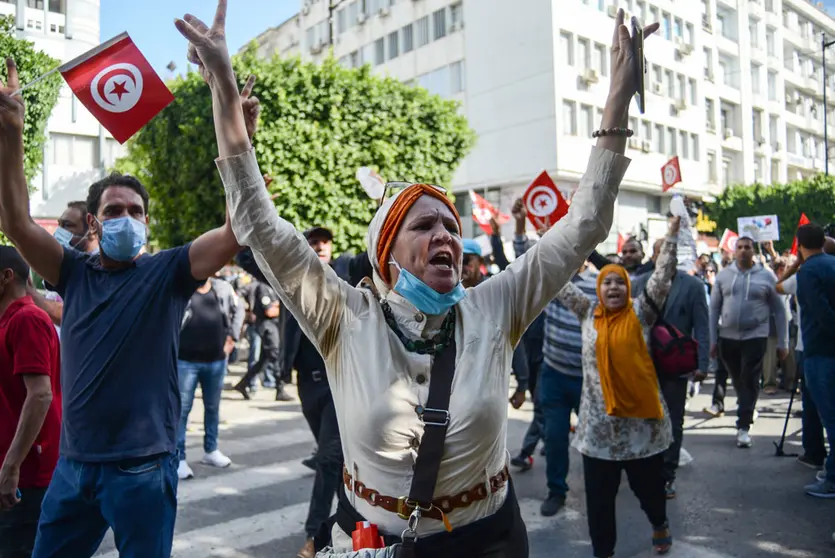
(624, 82)
(11, 107)
(251, 107)
(207, 45)
(675, 226)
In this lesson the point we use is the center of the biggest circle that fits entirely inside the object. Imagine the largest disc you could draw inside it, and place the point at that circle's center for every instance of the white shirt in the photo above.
(790, 288)
(374, 380)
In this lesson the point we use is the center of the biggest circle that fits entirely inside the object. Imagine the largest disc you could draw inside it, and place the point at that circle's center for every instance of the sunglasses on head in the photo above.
(392, 188)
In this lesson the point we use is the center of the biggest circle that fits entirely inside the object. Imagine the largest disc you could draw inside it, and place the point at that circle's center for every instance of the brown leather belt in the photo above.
(403, 506)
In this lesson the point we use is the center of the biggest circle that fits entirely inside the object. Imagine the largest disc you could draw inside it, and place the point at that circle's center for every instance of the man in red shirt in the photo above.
(30, 407)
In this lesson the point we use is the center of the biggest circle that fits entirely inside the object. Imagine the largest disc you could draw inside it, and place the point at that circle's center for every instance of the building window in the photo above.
(694, 146)
(755, 78)
(678, 27)
(353, 13)
(726, 172)
(456, 17)
(759, 169)
(407, 39)
(438, 82)
(567, 46)
(36, 4)
(666, 27)
(602, 56)
(58, 6)
(772, 86)
(709, 117)
(439, 24)
(671, 85)
(708, 55)
(658, 73)
(683, 145)
(694, 97)
(569, 117)
(658, 139)
(310, 37)
(379, 51)
(584, 53)
(457, 76)
(754, 33)
(689, 34)
(646, 128)
(394, 44)
(769, 41)
(775, 171)
(355, 59)
(422, 31)
(672, 149)
(345, 61)
(341, 21)
(711, 167)
(586, 123)
(682, 87)
(367, 53)
(74, 151)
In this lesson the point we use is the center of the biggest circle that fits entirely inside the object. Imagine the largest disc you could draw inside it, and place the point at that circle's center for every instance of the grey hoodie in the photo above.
(743, 302)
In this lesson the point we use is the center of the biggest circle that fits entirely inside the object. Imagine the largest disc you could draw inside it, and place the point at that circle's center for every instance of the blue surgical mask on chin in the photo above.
(122, 238)
(422, 296)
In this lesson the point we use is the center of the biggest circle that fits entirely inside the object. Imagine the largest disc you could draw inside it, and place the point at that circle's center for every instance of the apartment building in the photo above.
(78, 150)
(734, 86)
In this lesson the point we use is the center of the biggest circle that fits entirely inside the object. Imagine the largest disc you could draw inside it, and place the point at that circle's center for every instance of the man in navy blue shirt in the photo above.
(816, 295)
(122, 314)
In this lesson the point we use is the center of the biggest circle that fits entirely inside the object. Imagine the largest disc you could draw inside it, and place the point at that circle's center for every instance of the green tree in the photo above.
(815, 197)
(40, 99)
(319, 124)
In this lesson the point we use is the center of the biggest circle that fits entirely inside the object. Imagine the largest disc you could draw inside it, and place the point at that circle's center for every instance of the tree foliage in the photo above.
(319, 124)
(815, 197)
(40, 99)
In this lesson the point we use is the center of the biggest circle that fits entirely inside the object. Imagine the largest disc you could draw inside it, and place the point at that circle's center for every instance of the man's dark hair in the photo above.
(811, 237)
(81, 207)
(746, 239)
(634, 239)
(115, 179)
(10, 258)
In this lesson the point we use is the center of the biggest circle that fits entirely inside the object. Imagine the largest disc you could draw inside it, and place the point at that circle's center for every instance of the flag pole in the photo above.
(36, 80)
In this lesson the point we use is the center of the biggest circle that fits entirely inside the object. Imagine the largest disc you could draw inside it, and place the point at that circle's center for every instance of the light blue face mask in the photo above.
(63, 236)
(122, 238)
(422, 296)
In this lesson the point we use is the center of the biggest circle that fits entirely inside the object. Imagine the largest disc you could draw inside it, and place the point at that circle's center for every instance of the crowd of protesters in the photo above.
(403, 354)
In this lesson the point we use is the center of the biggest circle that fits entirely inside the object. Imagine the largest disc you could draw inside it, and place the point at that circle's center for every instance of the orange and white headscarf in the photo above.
(389, 218)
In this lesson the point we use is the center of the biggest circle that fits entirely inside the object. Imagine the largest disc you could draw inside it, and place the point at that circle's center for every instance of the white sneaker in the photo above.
(184, 471)
(743, 439)
(820, 476)
(216, 459)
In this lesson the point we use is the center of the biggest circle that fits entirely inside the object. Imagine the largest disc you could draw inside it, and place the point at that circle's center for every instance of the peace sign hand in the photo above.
(207, 45)
(11, 107)
(251, 107)
(624, 82)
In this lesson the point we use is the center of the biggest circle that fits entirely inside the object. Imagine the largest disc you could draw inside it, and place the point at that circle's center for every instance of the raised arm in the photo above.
(41, 251)
(496, 244)
(309, 289)
(659, 283)
(781, 320)
(519, 294)
(575, 300)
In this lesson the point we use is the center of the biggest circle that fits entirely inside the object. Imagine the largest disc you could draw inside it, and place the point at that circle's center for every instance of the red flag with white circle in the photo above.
(118, 86)
(544, 203)
(728, 242)
(483, 211)
(670, 173)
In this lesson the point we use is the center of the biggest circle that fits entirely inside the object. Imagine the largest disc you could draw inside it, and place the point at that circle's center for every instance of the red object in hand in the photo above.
(366, 536)
(118, 86)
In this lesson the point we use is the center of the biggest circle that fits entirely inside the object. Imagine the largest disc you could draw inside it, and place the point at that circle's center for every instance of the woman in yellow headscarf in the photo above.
(623, 423)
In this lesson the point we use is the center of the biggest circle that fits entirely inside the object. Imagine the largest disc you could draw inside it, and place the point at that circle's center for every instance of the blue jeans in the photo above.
(558, 395)
(820, 379)
(814, 446)
(137, 498)
(254, 339)
(210, 375)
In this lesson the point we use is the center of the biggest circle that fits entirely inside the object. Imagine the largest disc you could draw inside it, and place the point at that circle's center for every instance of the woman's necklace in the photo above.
(429, 347)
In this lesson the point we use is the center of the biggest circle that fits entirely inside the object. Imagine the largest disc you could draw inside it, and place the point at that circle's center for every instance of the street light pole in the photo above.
(824, 46)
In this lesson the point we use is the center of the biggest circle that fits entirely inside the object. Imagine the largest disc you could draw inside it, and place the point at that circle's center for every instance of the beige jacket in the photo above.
(374, 380)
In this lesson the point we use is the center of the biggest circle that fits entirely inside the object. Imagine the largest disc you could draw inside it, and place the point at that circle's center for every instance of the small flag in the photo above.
(670, 174)
(483, 211)
(803, 221)
(544, 202)
(728, 242)
(621, 242)
(118, 86)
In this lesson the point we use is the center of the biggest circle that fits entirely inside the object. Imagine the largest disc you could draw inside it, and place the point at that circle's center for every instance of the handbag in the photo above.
(674, 353)
(435, 418)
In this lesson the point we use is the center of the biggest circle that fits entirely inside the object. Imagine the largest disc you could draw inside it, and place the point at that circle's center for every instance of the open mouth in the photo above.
(442, 260)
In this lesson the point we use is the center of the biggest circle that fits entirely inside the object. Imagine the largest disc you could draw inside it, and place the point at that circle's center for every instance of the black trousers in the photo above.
(19, 525)
(501, 535)
(744, 362)
(320, 413)
(602, 477)
(270, 352)
(675, 394)
(720, 387)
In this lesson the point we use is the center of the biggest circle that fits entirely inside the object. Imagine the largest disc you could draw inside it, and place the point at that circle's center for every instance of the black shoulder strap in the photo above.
(435, 417)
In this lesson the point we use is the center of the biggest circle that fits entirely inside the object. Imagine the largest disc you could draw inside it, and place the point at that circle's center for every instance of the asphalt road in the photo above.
(731, 502)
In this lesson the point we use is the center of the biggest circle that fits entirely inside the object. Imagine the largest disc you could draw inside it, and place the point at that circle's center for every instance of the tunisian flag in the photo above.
(803, 221)
(118, 86)
(483, 211)
(670, 174)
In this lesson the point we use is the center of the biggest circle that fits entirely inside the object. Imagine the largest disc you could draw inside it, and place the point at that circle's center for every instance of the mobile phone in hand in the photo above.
(640, 63)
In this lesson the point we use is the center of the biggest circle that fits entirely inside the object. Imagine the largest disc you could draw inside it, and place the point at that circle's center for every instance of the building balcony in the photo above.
(801, 161)
(728, 45)
(731, 140)
(794, 38)
(755, 7)
(774, 62)
(790, 76)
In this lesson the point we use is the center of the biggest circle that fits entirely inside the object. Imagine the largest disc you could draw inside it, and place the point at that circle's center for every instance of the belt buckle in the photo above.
(404, 509)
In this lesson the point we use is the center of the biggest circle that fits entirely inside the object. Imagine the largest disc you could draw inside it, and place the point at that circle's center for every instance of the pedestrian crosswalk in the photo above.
(256, 508)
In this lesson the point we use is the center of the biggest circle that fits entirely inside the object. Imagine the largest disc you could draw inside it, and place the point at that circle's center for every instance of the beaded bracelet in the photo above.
(612, 132)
